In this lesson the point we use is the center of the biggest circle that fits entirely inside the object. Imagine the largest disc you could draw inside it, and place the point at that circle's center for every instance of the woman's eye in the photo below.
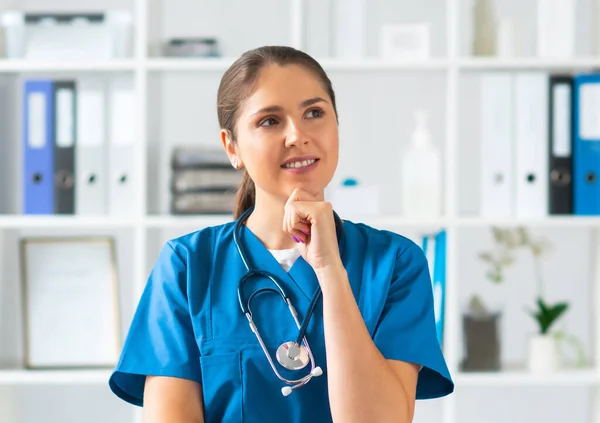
(268, 122)
(315, 113)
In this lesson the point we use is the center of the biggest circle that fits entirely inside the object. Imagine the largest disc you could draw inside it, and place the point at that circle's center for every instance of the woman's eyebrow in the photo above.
(311, 101)
(274, 109)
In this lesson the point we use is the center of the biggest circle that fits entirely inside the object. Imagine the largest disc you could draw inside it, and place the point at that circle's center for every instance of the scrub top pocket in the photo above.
(261, 389)
(222, 387)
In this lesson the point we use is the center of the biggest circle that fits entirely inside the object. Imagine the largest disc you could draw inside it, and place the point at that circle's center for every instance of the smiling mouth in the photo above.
(299, 164)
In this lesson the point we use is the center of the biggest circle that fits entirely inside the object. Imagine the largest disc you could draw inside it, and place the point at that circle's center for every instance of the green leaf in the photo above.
(547, 315)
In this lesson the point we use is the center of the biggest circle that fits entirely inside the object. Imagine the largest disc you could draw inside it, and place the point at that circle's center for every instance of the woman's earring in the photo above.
(235, 163)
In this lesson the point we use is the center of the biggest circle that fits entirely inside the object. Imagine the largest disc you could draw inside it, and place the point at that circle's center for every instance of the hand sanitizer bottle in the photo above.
(421, 173)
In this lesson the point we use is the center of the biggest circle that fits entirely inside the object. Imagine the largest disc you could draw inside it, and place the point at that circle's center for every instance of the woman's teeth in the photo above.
(299, 164)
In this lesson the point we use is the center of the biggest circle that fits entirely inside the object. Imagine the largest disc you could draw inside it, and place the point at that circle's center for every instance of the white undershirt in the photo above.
(286, 258)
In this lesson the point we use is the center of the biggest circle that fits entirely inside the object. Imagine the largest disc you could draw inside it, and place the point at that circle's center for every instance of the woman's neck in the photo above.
(266, 221)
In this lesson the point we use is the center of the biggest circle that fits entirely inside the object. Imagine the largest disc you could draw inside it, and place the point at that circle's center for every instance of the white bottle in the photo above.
(421, 174)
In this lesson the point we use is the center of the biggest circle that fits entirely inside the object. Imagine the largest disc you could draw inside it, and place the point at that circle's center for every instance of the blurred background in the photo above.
(469, 126)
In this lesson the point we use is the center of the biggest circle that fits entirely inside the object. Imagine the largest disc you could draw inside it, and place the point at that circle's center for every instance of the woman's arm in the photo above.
(172, 400)
(363, 385)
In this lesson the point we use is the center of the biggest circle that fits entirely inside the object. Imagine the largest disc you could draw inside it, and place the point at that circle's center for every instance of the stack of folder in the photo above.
(203, 182)
(540, 144)
(78, 146)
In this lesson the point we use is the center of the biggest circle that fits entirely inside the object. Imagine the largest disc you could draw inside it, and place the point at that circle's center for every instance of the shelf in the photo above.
(330, 64)
(210, 220)
(166, 222)
(533, 63)
(548, 221)
(189, 64)
(201, 221)
(22, 66)
(54, 377)
(64, 221)
(577, 377)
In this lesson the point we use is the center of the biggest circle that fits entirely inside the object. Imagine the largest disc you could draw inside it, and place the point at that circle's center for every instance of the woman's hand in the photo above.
(311, 223)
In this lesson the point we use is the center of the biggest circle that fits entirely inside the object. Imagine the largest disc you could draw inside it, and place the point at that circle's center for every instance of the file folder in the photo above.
(531, 143)
(38, 147)
(496, 182)
(560, 157)
(434, 247)
(91, 155)
(586, 164)
(64, 147)
(121, 147)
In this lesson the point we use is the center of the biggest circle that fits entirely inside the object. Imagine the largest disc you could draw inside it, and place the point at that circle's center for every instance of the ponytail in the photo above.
(245, 196)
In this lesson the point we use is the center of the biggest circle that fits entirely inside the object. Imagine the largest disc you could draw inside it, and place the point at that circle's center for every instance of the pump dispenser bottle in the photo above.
(421, 173)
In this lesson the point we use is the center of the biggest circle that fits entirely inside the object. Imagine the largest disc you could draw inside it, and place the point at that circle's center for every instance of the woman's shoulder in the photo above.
(201, 241)
(379, 240)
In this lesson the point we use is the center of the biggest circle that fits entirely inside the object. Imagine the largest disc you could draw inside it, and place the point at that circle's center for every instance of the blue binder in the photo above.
(436, 255)
(586, 149)
(38, 145)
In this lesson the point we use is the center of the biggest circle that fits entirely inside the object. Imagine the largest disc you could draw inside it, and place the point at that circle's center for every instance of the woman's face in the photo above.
(287, 132)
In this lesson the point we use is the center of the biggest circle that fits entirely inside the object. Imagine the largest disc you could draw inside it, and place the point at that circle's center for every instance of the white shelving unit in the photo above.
(145, 226)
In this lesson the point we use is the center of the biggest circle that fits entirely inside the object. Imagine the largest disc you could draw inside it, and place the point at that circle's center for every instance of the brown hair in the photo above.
(238, 83)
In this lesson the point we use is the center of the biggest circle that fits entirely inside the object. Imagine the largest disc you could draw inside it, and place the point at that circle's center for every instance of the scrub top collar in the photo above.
(301, 273)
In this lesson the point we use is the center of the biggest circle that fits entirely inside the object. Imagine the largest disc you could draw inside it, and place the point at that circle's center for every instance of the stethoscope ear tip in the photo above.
(317, 371)
(286, 390)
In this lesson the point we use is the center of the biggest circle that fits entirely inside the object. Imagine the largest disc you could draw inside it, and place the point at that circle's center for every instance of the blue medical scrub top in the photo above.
(189, 324)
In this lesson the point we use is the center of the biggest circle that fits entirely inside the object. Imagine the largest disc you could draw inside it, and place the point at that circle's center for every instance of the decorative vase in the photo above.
(543, 354)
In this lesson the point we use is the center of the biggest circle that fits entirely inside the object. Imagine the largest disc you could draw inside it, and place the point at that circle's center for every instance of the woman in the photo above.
(191, 355)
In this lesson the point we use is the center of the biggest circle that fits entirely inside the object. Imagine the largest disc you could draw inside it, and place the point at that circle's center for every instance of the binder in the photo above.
(531, 143)
(560, 149)
(121, 157)
(434, 247)
(92, 166)
(64, 147)
(496, 182)
(586, 194)
(38, 147)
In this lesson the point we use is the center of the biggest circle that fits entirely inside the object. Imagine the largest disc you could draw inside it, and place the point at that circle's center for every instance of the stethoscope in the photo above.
(292, 355)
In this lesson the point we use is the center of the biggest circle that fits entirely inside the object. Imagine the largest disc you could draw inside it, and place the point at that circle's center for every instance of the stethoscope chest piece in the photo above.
(292, 356)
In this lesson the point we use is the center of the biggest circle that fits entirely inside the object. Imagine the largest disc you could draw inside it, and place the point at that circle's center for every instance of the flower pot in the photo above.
(482, 343)
(543, 354)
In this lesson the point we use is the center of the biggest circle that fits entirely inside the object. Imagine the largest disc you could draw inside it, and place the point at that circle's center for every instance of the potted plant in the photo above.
(544, 349)
(481, 325)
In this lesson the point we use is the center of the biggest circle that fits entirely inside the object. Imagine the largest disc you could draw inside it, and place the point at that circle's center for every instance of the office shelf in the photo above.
(544, 221)
(576, 377)
(36, 66)
(54, 377)
(525, 63)
(64, 221)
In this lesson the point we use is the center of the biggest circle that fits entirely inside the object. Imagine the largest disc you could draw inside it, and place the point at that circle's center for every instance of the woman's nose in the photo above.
(295, 135)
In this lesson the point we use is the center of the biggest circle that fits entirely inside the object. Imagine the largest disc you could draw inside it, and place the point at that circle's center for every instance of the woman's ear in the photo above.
(230, 148)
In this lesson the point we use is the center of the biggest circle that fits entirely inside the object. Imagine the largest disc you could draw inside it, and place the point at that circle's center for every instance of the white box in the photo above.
(67, 36)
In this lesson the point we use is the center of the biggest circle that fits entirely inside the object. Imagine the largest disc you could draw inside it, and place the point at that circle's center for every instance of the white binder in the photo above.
(531, 143)
(91, 196)
(496, 136)
(121, 147)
